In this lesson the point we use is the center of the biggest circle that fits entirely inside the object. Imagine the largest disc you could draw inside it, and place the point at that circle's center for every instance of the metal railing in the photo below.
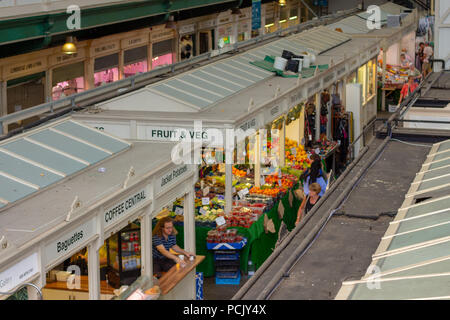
(136, 81)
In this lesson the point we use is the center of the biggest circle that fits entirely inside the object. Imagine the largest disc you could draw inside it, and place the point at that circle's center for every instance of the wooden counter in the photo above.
(84, 286)
(169, 280)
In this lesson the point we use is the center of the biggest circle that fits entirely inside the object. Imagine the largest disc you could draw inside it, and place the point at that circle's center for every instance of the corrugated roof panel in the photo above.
(12, 190)
(419, 236)
(434, 183)
(444, 146)
(198, 92)
(408, 258)
(441, 156)
(247, 67)
(181, 96)
(218, 80)
(432, 268)
(424, 222)
(427, 207)
(44, 156)
(221, 74)
(250, 76)
(92, 135)
(437, 286)
(26, 171)
(436, 173)
(220, 89)
(440, 164)
(70, 146)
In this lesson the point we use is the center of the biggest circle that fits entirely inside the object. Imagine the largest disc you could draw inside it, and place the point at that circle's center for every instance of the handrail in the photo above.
(130, 83)
(22, 286)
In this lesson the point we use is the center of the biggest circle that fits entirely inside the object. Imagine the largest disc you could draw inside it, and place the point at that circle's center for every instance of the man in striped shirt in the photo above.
(162, 242)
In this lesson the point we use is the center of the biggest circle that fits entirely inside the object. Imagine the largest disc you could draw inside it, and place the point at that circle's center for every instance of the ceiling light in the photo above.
(170, 24)
(69, 47)
(282, 2)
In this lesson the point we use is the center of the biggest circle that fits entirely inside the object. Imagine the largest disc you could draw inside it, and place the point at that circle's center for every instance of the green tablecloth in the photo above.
(259, 244)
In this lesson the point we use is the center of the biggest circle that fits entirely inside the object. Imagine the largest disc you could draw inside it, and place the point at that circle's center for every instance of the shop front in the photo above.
(244, 25)
(135, 54)
(225, 32)
(206, 34)
(163, 43)
(106, 62)
(187, 40)
(271, 17)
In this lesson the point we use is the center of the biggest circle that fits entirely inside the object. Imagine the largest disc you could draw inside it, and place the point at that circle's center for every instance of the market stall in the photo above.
(99, 194)
(252, 195)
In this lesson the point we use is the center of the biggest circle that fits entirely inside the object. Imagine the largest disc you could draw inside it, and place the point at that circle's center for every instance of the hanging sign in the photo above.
(256, 14)
(19, 273)
(122, 209)
(70, 241)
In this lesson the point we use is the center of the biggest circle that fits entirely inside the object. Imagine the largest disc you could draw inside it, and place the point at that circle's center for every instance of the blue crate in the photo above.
(228, 274)
(233, 256)
(227, 246)
(235, 281)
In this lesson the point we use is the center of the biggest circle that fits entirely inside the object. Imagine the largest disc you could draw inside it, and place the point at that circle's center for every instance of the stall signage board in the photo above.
(253, 123)
(63, 58)
(28, 67)
(119, 130)
(164, 34)
(155, 133)
(296, 97)
(125, 207)
(135, 41)
(106, 48)
(207, 24)
(19, 273)
(275, 112)
(169, 178)
(70, 241)
(312, 89)
(189, 28)
(256, 14)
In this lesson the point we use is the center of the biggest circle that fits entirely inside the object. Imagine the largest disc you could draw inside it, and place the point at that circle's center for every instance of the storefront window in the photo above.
(106, 69)
(163, 53)
(372, 78)
(284, 16)
(244, 31)
(67, 80)
(362, 79)
(135, 61)
(293, 15)
(225, 35)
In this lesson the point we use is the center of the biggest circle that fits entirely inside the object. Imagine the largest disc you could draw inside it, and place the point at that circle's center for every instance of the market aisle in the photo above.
(213, 291)
(343, 250)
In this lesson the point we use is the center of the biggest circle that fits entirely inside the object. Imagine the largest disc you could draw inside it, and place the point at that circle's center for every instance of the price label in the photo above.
(310, 137)
(317, 151)
(205, 201)
(279, 182)
(205, 191)
(294, 151)
(179, 211)
(214, 181)
(202, 184)
(234, 189)
(242, 193)
(221, 197)
(202, 211)
(263, 180)
(220, 221)
(248, 171)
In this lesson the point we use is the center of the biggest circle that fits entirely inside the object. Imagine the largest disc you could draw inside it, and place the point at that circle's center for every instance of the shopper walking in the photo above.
(309, 202)
(427, 56)
(420, 56)
(407, 88)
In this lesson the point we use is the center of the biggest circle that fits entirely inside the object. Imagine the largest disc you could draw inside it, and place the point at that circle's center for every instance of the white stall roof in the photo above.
(393, 8)
(42, 157)
(414, 255)
(201, 88)
(352, 24)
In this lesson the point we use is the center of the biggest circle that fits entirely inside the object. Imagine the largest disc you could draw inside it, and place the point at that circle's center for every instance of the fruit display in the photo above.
(221, 235)
(239, 173)
(210, 215)
(296, 155)
(272, 192)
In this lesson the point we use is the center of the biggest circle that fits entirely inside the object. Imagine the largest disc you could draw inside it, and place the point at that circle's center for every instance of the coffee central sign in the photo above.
(125, 207)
